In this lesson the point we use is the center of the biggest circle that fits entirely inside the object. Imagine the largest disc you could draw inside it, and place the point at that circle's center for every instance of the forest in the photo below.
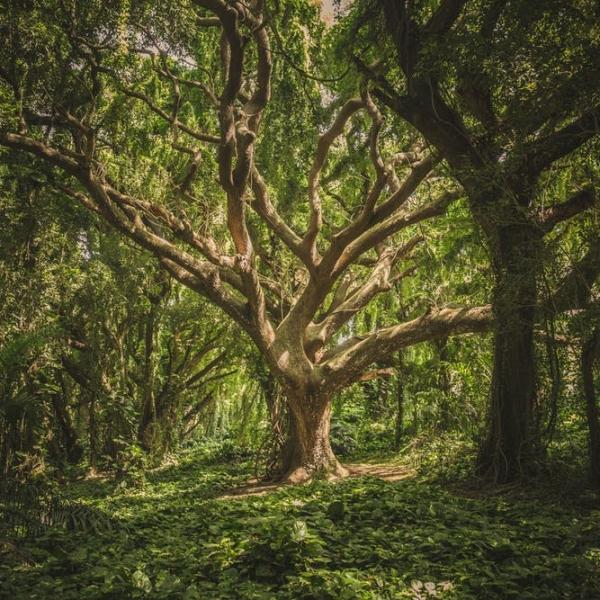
(300, 299)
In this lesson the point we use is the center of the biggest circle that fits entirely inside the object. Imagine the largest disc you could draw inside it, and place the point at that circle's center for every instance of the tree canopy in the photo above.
(298, 238)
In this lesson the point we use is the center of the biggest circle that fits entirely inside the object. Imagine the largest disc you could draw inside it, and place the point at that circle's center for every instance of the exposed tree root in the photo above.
(387, 472)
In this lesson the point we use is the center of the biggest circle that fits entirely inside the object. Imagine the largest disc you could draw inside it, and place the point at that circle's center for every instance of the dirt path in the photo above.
(385, 471)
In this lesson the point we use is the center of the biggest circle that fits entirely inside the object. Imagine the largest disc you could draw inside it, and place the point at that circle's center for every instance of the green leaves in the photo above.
(141, 581)
(299, 531)
(359, 538)
(336, 511)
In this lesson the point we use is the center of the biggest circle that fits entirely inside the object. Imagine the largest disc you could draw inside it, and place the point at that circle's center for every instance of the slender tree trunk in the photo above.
(399, 423)
(148, 417)
(307, 451)
(93, 430)
(443, 383)
(588, 355)
(510, 445)
(70, 439)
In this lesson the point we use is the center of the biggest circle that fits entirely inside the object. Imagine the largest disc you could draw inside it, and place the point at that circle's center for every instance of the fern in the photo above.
(27, 510)
(14, 353)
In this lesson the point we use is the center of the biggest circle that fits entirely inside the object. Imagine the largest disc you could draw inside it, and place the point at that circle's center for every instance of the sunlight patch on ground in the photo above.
(384, 471)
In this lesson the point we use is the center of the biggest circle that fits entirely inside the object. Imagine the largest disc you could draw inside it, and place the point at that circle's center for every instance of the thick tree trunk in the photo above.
(588, 355)
(307, 451)
(510, 445)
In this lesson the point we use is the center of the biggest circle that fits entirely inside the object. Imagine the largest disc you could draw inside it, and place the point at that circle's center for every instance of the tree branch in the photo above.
(323, 146)
(172, 118)
(268, 213)
(550, 217)
(541, 153)
(388, 227)
(444, 17)
(379, 280)
(346, 363)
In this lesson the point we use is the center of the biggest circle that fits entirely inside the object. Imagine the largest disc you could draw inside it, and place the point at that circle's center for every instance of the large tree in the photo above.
(179, 126)
(506, 92)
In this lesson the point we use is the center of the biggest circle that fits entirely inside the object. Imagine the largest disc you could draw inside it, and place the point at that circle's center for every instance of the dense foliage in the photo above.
(240, 239)
(177, 537)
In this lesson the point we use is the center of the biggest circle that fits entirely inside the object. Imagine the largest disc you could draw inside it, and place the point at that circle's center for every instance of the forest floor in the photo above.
(387, 471)
(386, 533)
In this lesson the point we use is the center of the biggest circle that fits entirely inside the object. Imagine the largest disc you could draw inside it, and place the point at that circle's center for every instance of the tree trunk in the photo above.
(146, 429)
(510, 446)
(92, 431)
(70, 439)
(307, 451)
(399, 423)
(588, 355)
(443, 384)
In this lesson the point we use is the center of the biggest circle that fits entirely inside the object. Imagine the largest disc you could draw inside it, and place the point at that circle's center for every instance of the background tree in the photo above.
(507, 93)
(73, 333)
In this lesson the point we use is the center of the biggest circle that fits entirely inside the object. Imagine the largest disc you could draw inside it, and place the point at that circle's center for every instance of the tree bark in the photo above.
(588, 354)
(70, 439)
(443, 383)
(510, 445)
(148, 420)
(307, 451)
(399, 421)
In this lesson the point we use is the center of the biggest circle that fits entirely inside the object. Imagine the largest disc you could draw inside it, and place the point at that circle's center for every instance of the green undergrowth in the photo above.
(175, 536)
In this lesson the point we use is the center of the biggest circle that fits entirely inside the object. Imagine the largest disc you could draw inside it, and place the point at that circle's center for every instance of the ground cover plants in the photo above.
(181, 534)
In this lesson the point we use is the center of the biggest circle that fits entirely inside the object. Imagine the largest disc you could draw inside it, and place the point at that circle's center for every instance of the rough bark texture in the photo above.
(509, 446)
(307, 451)
(588, 355)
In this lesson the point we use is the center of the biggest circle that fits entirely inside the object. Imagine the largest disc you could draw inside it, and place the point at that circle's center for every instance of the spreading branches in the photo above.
(349, 300)
(122, 212)
(342, 268)
(386, 228)
(323, 146)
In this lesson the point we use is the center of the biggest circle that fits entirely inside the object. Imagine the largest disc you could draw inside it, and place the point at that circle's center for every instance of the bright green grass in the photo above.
(359, 538)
